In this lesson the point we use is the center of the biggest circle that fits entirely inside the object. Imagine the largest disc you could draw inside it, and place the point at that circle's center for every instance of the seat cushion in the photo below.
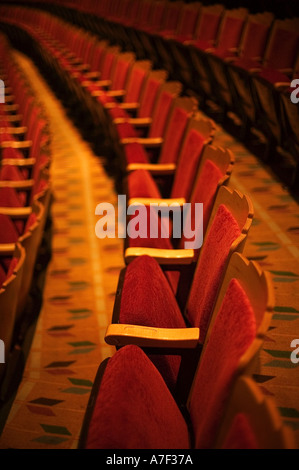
(147, 300)
(133, 407)
(142, 184)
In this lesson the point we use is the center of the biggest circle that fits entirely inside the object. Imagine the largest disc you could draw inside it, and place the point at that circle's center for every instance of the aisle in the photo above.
(79, 294)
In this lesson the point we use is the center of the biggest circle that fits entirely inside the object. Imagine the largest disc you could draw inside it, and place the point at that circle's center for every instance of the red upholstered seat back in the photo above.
(134, 409)
(3, 276)
(204, 192)
(210, 269)
(174, 135)
(187, 165)
(232, 334)
(160, 114)
(144, 13)
(149, 96)
(283, 49)
(230, 34)
(96, 58)
(255, 39)
(8, 233)
(134, 87)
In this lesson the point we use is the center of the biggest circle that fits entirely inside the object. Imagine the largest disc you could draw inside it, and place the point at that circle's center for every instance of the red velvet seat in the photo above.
(122, 115)
(214, 171)
(252, 420)
(153, 303)
(130, 405)
(23, 225)
(251, 47)
(254, 80)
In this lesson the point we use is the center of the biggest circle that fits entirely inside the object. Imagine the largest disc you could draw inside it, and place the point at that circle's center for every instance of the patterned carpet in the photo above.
(82, 277)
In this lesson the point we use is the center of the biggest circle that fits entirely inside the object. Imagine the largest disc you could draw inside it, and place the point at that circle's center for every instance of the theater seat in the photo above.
(252, 421)
(151, 302)
(130, 405)
(12, 260)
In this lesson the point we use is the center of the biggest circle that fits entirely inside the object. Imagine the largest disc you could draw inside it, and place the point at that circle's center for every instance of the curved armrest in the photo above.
(129, 106)
(153, 168)
(23, 162)
(115, 93)
(7, 248)
(145, 201)
(138, 122)
(14, 130)
(163, 257)
(16, 144)
(16, 212)
(9, 98)
(22, 185)
(144, 336)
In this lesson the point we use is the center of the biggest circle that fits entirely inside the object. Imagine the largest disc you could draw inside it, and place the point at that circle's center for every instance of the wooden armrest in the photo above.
(138, 122)
(23, 162)
(147, 142)
(16, 145)
(93, 75)
(16, 212)
(115, 93)
(153, 168)
(14, 130)
(9, 98)
(11, 107)
(147, 201)
(96, 93)
(7, 248)
(129, 106)
(11, 118)
(103, 83)
(23, 184)
(144, 336)
(163, 257)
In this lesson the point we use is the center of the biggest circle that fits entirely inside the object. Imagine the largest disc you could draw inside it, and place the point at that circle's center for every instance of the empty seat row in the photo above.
(24, 202)
(241, 65)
